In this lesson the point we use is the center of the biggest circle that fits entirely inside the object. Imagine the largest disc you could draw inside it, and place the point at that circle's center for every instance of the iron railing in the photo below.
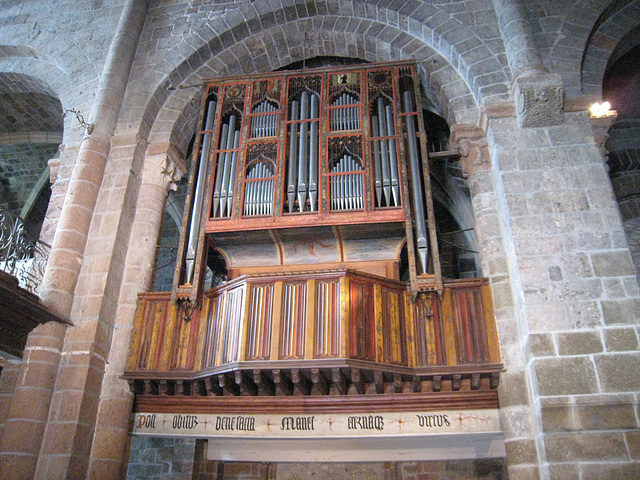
(21, 254)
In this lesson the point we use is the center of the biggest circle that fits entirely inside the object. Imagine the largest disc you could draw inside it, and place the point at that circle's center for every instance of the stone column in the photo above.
(519, 416)
(110, 440)
(24, 417)
(33, 395)
(522, 54)
(72, 229)
(577, 299)
(538, 95)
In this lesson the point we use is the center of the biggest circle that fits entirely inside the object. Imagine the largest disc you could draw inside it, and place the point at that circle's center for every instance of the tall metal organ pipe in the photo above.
(196, 207)
(293, 155)
(416, 182)
(225, 169)
(302, 172)
(313, 154)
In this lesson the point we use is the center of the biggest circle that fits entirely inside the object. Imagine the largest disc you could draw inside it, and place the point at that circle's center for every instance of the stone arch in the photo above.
(462, 69)
(616, 31)
(580, 53)
(57, 82)
(31, 131)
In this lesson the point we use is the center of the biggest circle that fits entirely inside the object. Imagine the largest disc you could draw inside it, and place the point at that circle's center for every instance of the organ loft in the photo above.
(308, 265)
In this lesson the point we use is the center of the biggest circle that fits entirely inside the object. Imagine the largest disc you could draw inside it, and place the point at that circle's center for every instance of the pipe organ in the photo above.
(314, 187)
(319, 151)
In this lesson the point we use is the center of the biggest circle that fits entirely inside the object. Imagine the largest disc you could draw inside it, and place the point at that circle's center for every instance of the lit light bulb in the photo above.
(600, 109)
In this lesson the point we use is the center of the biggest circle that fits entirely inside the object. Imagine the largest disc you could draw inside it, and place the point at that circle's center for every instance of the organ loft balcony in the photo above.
(308, 266)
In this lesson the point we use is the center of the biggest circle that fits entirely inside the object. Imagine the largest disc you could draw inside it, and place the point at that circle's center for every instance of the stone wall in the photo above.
(492, 469)
(577, 301)
(547, 223)
(161, 459)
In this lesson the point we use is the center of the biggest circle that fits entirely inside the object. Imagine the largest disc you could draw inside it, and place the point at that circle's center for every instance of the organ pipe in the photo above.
(196, 207)
(302, 172)
(393, 162)
(313, 154)
(293, 155)
(346, 184)
(416, 182)
(226, 169)
(303, 151)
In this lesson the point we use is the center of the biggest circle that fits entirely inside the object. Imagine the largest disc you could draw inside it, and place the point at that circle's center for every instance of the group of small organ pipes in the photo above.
(310, 142)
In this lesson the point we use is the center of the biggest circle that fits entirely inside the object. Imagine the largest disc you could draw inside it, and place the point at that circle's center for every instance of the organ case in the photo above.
(291, 158)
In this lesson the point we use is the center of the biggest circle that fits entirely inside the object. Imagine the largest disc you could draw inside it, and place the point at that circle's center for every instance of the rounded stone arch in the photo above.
(461, 68)
(57, 83)
(31, 131)
(616, 31)
(580, 48)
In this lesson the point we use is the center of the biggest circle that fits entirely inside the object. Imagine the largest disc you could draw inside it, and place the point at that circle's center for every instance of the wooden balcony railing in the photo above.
(333, 329)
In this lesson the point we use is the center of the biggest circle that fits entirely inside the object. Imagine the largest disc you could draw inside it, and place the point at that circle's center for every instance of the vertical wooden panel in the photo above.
(344, 317)
(310, 320)
(379, 319)
(293, 320)
(490, 322)
(449, 332)
(278, 313)
(397, 332)
(201, 335)
(362, 318)
(437, 329)
(411, 328)
(208, 350)
(137, 334)
(166, 344)
(257, 329)
(327, 325)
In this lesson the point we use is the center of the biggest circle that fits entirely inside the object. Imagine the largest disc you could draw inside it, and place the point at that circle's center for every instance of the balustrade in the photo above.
(317, 322)
(21, 255)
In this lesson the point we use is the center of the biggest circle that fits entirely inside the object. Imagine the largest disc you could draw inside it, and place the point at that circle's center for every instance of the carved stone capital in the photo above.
(472, 144)
(600, 127)
(539, 100)
(163, 169)
(67, 155)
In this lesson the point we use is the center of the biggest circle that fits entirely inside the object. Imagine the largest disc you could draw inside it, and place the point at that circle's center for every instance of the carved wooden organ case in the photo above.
(311, 184)
(312, 169)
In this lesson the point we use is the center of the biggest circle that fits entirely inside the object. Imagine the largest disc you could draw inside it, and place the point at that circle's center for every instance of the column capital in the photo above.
(600, 127)
(163, 166)
(539, 100)
(471, 142)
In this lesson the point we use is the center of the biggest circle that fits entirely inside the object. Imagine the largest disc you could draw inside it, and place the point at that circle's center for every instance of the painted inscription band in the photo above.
(321, 425)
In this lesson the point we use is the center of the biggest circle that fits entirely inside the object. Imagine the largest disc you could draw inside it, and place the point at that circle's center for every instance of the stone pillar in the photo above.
(577, 300)
(27, 417)
(538, 95)
(33, 396)
(111, 437)
(519, 416)
(24, 417)
(72, 229)
(522, 54)
(7, 383)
